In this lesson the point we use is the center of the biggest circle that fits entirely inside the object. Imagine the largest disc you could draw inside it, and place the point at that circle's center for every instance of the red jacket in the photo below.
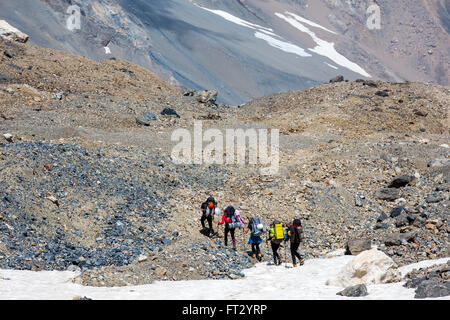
(223, 219)
(238, 218)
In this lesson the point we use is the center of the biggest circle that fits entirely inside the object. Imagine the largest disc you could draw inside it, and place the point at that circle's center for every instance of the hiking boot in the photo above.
(302, 262)
(259, 257)
(295, 265)
(253, 255)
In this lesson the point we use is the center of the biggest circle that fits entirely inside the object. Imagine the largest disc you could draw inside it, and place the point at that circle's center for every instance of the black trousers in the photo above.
(255, 248)
(231, 231)
(294, 252)
(276, 257)
(208, 218)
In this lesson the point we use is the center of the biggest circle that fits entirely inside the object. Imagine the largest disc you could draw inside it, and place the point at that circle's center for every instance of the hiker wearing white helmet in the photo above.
(257, 228)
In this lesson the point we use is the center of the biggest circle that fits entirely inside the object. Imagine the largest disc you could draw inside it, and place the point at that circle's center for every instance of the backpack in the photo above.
(229, 213)
(253, 225)
(211, 199)
(276, 232)
(295, 231)
(203, 207)
(206, 210)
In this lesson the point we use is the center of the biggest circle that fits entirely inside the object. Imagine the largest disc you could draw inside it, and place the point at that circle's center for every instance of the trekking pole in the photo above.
(306, 251)
(243, 238)
(285, 254)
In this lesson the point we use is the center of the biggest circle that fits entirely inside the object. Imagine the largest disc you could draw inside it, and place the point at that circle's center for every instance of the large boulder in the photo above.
(339, 78)
(398, 238)
(401, 181)
(207, 96)
(169, 112)
(389, 194)
(369, 267)
(401, 221)
(382, 217)
(359, 290)
(10, 33)
(398, 211)
(432, 289)
(356, 246)
(430, 282)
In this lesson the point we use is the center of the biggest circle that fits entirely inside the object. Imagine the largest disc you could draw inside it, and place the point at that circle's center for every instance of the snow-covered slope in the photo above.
(264, 281)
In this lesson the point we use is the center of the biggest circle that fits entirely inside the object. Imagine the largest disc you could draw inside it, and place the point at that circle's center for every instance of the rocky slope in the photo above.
(87, 179)
(249, 48)
(430, 282)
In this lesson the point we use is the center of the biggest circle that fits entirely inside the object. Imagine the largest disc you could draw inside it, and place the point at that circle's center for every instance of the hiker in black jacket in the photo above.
(296, 236)
(209, 209)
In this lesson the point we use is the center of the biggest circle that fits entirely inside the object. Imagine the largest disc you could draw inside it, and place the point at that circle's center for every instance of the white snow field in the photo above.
(263, 281)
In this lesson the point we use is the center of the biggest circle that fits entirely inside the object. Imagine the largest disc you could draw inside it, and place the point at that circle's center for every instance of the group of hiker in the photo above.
(276, 232)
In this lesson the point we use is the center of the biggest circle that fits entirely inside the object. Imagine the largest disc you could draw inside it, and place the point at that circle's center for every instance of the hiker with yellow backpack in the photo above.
(276, 237)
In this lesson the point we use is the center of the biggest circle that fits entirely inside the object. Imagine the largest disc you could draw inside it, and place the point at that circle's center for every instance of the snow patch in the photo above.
(311, 23)
(323, 48)
(262, 33)
(263, 281)
(282, 45)
(236, 20)
(331, 66)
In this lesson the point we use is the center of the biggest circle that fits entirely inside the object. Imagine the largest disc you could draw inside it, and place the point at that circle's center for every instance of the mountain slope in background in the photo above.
(250, 48)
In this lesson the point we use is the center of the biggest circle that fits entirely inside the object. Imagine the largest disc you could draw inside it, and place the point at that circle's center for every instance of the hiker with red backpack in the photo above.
(232, 219)
(209, 210)
(296, 236)
(257, 228)
(276, 237)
